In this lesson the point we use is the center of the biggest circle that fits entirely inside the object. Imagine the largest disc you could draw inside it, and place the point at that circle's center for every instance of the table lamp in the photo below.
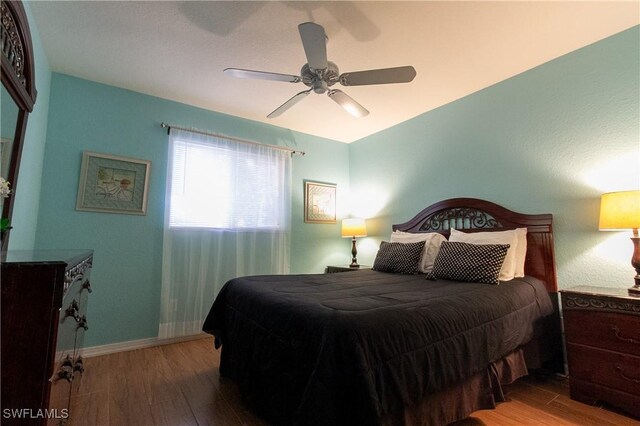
(621, 211)
(353, 227)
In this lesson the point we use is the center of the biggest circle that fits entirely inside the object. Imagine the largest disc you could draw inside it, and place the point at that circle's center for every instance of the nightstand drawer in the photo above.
(616, 332)
(612, 369)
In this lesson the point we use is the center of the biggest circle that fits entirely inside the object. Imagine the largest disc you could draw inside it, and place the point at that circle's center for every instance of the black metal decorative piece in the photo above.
(459, 218)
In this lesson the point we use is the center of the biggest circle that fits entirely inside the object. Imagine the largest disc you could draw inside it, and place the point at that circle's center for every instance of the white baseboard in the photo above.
(168, 330)
(137, 344)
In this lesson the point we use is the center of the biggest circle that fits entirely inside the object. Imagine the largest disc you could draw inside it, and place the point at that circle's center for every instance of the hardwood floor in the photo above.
(179, 385)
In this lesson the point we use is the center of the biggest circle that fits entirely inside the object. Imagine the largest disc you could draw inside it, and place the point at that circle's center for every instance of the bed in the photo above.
(384, 348)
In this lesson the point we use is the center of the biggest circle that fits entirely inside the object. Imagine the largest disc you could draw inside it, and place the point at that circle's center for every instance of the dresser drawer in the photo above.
(607, 330)
(590, 393)
(611, 369)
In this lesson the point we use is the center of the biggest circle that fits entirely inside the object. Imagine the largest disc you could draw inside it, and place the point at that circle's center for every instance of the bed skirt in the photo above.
(479, 392)
(482, 391)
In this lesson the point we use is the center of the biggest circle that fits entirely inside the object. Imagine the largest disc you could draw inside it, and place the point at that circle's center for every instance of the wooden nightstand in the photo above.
(331, 269)
(602, 331)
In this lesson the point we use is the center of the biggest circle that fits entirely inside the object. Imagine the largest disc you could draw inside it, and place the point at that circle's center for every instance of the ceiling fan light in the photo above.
(346, 102)
(354, 110)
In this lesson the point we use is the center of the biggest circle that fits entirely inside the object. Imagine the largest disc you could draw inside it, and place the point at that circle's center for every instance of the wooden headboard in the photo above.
(473, 215)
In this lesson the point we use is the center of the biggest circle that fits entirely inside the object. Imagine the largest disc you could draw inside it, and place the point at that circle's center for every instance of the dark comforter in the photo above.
(351, 347)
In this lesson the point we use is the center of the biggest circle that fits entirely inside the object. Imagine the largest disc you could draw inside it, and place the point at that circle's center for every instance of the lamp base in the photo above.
(354, 253)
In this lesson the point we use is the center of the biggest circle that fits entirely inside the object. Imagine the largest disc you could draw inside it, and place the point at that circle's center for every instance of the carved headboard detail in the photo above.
(474, 215)
(459, 218)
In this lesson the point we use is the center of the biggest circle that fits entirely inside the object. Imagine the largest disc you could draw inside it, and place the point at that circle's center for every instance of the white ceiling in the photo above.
(177, 50)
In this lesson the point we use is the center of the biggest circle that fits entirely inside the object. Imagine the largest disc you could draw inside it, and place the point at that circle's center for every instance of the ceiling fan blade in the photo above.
(314, 41)
(381, 76)
(291, 102)
(346, 102)
(262, 75)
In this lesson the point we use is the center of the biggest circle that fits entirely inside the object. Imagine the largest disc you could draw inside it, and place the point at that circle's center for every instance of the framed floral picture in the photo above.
(113, 184)
(319, 202)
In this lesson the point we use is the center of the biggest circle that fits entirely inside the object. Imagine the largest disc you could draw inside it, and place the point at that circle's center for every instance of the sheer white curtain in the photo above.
(227, 214)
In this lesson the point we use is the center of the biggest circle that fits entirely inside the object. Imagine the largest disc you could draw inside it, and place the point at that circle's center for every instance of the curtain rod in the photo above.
(202, 132)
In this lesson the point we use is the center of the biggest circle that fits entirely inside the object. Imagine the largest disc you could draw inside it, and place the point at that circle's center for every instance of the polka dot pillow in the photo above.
(475, 263)
(401, 258)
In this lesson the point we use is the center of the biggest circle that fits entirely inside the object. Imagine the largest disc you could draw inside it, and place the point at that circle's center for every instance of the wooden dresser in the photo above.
(602, 332)
(44, 318)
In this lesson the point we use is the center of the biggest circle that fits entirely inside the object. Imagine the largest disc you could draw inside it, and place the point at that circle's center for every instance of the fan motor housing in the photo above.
(320, 80)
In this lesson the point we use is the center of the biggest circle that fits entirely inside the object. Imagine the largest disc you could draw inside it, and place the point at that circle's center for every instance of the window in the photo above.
(220, 184)
(241, 192)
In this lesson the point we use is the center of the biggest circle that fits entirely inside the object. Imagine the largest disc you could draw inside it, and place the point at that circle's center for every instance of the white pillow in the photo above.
(432, 241)
(521, 251)
(508, 270)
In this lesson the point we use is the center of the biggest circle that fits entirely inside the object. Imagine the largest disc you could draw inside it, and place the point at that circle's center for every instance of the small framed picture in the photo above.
(319, 202)
(113, 184)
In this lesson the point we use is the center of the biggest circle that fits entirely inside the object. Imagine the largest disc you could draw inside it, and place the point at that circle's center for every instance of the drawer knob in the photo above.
(79, 365)
(66, 371)
(68, 362)
(616, 333)
(72, 310)
(622, 373)
(87, 286)
(82, 322)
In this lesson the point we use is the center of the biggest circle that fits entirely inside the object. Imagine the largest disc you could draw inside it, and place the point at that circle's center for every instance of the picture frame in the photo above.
(319, 202)
(113, 184)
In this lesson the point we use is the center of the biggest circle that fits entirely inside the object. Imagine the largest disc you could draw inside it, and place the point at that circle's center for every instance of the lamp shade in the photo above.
(620, 210)
(353, 227)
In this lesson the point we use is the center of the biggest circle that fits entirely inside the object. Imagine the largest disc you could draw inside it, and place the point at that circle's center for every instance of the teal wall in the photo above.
(550, 140)
(128, 249)
(27, 191)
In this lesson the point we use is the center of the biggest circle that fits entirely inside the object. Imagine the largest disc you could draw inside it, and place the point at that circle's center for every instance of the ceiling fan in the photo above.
(319, 74)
